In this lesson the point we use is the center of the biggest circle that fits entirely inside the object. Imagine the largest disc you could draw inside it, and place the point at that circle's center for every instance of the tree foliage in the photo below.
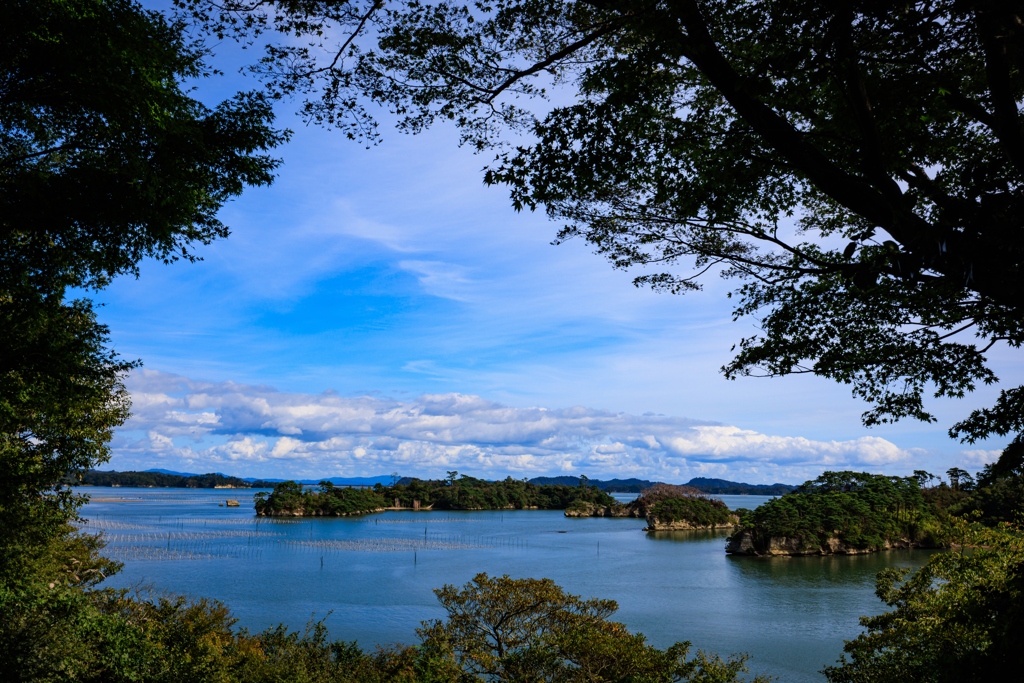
(857, 166)
(958, 618)
(467, 493)
(159, 479)
(864, 511)
(106, 158)
(701, 511)
(517, 630)
(497, 629)
(998, 496)
(61, 396)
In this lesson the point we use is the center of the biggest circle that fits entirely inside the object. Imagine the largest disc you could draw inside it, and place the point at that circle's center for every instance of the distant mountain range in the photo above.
(170, 478)
(716, 486)
(161, 478)
(725, 487)
(337, 481)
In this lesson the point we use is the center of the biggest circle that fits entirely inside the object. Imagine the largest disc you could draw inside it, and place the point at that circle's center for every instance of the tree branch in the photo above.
(492, 93)
(872, 157)
(10, 161)
(997, 70)
(348, 41)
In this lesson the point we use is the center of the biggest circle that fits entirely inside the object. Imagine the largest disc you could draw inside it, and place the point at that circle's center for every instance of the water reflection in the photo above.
(814, 569)
(689, 535)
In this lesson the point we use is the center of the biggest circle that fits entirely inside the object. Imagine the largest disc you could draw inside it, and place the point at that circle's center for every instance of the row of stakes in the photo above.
(199, 545)
(205, 545)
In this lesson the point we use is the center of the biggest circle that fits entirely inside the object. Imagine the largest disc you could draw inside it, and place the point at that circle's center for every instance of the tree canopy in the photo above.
(513, 630)
(958, 618)
(467, 493)
(106, 158)
(856, 166)
(856, 509)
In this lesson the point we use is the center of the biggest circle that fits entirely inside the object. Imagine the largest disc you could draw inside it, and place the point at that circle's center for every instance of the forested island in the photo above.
(666, 508)
(839, 513)
(291, 499)
(724, 487)
(857, 512)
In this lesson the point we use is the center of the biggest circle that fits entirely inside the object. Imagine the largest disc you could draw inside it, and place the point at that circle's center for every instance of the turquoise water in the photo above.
(372, 577)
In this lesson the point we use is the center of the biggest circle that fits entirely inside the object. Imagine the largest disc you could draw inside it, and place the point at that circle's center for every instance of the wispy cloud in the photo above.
(258, 430)
(440, 279)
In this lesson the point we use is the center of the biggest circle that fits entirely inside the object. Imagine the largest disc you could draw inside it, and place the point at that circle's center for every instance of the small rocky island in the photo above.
(840, 513)
(666, 508)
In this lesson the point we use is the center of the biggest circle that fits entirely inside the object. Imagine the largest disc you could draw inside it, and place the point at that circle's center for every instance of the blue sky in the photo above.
(392, 279)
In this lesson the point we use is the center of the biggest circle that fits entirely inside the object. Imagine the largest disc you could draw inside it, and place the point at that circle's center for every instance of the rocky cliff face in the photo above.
(301, 512)
(583, 509)
(655, 524)
(742, 543)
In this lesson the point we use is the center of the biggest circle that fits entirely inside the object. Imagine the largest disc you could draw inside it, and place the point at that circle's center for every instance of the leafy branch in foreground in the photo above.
(514, 630)
(857, 166)
(106, 158)
(497, 629)
(959, 618)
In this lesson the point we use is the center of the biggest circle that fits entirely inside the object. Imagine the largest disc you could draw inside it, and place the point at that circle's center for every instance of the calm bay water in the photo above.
(372, 577)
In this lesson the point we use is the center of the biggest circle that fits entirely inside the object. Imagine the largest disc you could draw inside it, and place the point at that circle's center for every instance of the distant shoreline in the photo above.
(216, 480)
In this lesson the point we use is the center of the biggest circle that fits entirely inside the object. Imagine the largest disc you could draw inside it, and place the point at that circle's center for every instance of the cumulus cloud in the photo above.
(260, 431)
(733, 443)
(978, 457)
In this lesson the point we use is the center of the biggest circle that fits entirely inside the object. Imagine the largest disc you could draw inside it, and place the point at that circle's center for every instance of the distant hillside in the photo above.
(715, 486)
(724, 487)
(169, 479)
(617, 485)
(164, 480)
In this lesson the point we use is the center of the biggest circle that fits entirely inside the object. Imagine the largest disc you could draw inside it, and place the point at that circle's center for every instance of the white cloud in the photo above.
(978, 457)
(261, 431)
(733, 443)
